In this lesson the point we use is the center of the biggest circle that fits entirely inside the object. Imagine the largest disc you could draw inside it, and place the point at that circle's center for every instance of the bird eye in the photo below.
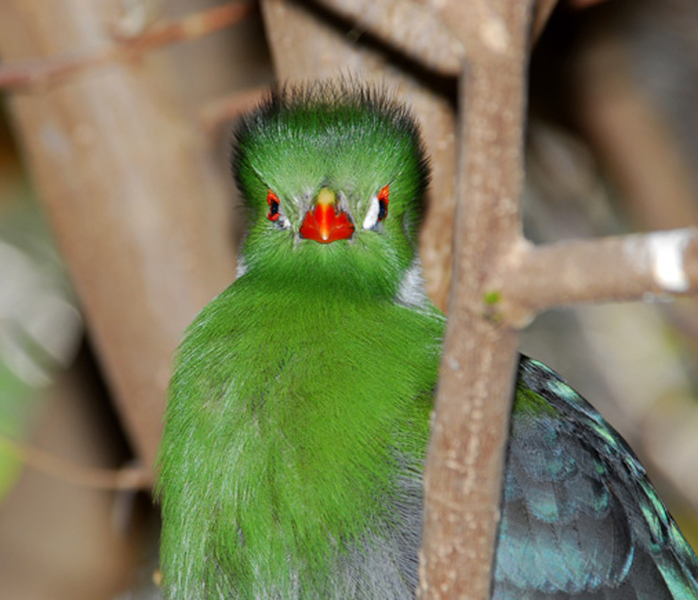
(383, 203)
(378, 210)
(273, 202)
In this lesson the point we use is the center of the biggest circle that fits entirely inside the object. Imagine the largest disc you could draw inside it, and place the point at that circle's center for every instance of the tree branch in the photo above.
(466, 453)
(41, 72)
(628, 267)
(141, 219)
(127, 478)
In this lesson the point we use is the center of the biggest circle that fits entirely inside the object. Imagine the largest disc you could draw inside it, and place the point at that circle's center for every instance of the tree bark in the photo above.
(466, 453)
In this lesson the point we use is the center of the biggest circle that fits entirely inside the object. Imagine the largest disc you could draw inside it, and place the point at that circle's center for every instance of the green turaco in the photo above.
(298, 415)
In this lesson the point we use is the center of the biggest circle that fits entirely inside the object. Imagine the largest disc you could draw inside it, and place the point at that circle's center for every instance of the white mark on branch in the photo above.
(666, 250)
(494, 35)
(54, 142)
(133, 20)
(453, 363)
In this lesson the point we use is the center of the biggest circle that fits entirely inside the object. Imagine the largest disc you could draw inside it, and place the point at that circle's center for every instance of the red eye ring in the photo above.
(383, 200)
(273, 202)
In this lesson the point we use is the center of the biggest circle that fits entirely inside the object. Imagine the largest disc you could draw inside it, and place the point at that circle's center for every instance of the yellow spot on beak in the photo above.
(326, 197)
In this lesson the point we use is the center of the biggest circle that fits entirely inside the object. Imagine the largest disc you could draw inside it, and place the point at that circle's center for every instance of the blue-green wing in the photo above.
(580, 518)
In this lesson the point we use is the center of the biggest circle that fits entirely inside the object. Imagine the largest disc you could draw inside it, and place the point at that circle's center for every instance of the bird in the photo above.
(299, 408)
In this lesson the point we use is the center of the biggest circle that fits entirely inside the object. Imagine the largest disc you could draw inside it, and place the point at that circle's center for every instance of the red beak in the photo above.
(325, 223)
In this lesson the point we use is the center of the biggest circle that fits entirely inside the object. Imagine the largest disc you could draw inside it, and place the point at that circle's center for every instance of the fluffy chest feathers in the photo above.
(305, 421)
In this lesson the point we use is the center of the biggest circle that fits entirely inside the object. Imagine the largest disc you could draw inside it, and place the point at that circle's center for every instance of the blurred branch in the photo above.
(617, 268)
(139, 215)
(632, 140)
(543, 10)
(227, 108)
(41, 72)
(411, 27)
(128, 478)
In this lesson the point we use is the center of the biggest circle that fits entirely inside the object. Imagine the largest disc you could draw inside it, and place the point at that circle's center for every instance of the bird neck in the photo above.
(324, 289)
(348, 270)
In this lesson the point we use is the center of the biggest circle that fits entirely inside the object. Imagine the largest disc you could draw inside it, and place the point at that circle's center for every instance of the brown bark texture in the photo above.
(466, 453)
(649, 266)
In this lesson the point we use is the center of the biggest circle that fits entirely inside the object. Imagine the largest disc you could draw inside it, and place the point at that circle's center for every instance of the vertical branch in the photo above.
(122, 175)
(466, 454)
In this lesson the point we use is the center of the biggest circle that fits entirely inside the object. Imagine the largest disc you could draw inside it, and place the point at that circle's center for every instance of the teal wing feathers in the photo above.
(580, 519)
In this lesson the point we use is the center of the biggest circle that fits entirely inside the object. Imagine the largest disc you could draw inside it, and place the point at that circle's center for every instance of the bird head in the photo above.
(332, 177)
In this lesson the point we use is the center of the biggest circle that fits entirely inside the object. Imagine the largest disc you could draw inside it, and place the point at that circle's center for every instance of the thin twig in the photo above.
(229, 107)
(41, 72)
(127, 478)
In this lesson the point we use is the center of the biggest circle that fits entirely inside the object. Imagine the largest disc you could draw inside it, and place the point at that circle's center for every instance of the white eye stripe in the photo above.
(372, 214)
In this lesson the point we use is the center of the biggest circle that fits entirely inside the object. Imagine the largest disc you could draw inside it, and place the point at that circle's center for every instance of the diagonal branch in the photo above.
(46, 71)
(411, 27)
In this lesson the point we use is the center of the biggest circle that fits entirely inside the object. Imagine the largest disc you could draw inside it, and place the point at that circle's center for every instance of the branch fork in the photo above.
(500, 281)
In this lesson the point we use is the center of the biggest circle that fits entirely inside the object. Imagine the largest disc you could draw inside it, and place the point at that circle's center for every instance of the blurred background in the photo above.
(118, 221)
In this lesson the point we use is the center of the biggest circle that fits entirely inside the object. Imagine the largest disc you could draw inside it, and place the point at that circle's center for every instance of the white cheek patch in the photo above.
(372, 214)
